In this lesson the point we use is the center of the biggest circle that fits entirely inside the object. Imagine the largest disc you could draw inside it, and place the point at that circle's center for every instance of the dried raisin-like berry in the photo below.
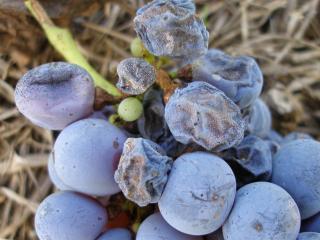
(167, 29)
(153, 125)
(202, 114)
(260, 120)
(186, 4)
(135, 76)
(143, 171)
(240, 78)
(251, 160)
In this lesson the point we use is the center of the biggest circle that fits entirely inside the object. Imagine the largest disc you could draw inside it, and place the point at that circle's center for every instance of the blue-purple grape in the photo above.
(143, 171)
(199, 193)
(295, 136)
(54, 95)
(296, 168)
(309, 236)
(262, 211)
(152, 125)
(166, 28)
(240, 78)
(116, 234)
(135, 76)
(204, 115)
(156, 228)
(259, 122)
(68, 215)
(251, 160)
(274, 136)
(55, 179)
(86, 155)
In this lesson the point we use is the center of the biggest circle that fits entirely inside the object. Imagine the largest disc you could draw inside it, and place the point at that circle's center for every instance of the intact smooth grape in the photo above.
(156, 228)
(55, 179)
(53, 95)
(199, 193)
(309, 236)
(262, 211)
(116, 234)
(86, 155)
(296, 168)
(68, 215)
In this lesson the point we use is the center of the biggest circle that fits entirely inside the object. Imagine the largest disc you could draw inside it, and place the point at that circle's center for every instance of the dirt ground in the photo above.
(283, 35)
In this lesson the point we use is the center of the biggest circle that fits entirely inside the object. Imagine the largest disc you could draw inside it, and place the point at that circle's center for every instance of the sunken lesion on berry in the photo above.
(257, 225)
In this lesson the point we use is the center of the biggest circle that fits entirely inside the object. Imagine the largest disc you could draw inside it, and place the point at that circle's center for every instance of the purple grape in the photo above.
(116, 234)
(295, 136)
(262, 211)
(251, 160)
(143, 171)
(309, 236)
(56, 94)
(86, 155)
(311, 224)
(274, 136)
(135, 76)
(202, 114)
(156, 228)
(199, 193)
(152, 125)
(259, 119)
(296, 168)
(240, 78)
(55, 179)
(68, 215)
(166, 28)
(186, 4)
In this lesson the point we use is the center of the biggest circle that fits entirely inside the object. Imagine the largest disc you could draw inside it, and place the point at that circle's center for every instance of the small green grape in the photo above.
(130, 109)
(137, 48)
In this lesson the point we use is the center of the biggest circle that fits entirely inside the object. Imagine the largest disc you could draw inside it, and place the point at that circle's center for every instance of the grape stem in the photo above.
(61, 39)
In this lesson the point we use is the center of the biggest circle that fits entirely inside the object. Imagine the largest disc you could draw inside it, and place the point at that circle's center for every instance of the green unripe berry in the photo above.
(130, 109)
(137, 48)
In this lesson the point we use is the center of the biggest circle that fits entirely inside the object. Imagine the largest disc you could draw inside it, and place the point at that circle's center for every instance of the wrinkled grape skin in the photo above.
(259, 119)
(55, 179)
(152, 125)
(186, 4)
(202, 114)
(116, 234)
(296, 168)
(309, 236)
(172, 31)
(135, 76)
(274, 136)
(240, 78)
(142, 171)
(156, 228)
(262, 211)
(54, 95)
(68, 215)
(86, 156)
(311, 224)
(199, 193)
(295, 136)
(251, 160)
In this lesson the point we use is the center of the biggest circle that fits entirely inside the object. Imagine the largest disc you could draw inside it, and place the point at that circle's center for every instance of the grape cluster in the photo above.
(203, 149)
